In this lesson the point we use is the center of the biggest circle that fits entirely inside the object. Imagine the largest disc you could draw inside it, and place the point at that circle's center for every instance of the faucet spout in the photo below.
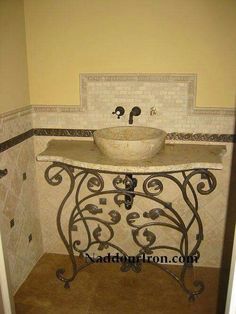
(131, 120)
(136, 111)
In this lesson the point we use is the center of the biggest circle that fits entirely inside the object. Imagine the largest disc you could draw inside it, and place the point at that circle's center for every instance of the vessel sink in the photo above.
(130, 143)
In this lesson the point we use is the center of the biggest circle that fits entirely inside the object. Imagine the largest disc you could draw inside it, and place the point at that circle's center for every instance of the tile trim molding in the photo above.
(57, 108)
(189, 78)
(198, 137)
(64, 132)
(16, 112)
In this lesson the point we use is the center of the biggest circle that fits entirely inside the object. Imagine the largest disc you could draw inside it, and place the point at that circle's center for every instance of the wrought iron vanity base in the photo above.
(87, 184)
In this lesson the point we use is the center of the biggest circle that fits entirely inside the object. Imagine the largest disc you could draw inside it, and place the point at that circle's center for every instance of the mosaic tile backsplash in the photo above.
(29, 206)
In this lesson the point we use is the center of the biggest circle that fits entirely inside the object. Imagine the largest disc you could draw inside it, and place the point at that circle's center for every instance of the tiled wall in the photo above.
(19, 215)
(173, 98)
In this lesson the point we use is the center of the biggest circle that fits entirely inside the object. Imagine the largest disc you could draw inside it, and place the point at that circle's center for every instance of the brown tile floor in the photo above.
(104, 289)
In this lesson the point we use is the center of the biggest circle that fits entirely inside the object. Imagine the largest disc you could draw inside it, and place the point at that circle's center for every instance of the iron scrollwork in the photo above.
(98, 223)
(130, 184)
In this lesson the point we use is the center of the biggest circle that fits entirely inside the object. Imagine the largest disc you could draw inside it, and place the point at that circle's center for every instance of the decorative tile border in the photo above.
(140, 77)
(201, 137)
(57, 108)
(64, 132)
(198, 137)
(190, 79)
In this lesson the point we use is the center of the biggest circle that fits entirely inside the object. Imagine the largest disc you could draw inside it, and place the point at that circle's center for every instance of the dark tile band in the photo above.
(64, 132)
(201, 137)
(227, 138)
(198, 137)
(16, 140)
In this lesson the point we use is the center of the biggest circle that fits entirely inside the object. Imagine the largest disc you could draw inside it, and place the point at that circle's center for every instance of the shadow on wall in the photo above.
(228, 237)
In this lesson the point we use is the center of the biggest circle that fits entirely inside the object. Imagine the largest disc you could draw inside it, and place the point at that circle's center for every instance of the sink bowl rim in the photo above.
(156, 133)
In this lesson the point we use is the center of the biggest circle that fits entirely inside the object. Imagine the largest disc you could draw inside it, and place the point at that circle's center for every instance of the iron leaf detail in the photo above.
(97, 233)
(93, 209)
(155, 184)
(128, 200)
(132, 217)
(115, 216)
(117, 200)
(150, 236)
(95, 183)
(129, 183)
(153, 213)
(152, 186)
(117, 180)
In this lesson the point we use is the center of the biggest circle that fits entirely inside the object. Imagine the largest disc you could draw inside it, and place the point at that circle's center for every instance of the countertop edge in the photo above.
(130, 169)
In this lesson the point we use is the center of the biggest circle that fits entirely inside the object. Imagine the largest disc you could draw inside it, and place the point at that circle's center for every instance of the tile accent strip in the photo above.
(201, 137)
(198, 137)
(170, 136)
(57, 108)
(64, 132)
(16, 140)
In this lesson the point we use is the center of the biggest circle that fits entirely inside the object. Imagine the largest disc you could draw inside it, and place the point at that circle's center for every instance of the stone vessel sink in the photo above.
(129, 143)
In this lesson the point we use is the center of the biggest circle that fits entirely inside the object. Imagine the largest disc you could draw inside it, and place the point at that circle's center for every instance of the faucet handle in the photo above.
(119, 111)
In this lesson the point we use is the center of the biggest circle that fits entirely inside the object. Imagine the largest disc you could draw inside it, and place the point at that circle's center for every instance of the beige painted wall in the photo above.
(65, 38)
(14, 91)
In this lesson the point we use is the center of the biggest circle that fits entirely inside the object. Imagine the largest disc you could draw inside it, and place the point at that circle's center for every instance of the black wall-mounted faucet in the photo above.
(119, 112)
(136, 111)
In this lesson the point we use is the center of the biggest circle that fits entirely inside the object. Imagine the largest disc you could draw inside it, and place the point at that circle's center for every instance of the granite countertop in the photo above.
(174, 157)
